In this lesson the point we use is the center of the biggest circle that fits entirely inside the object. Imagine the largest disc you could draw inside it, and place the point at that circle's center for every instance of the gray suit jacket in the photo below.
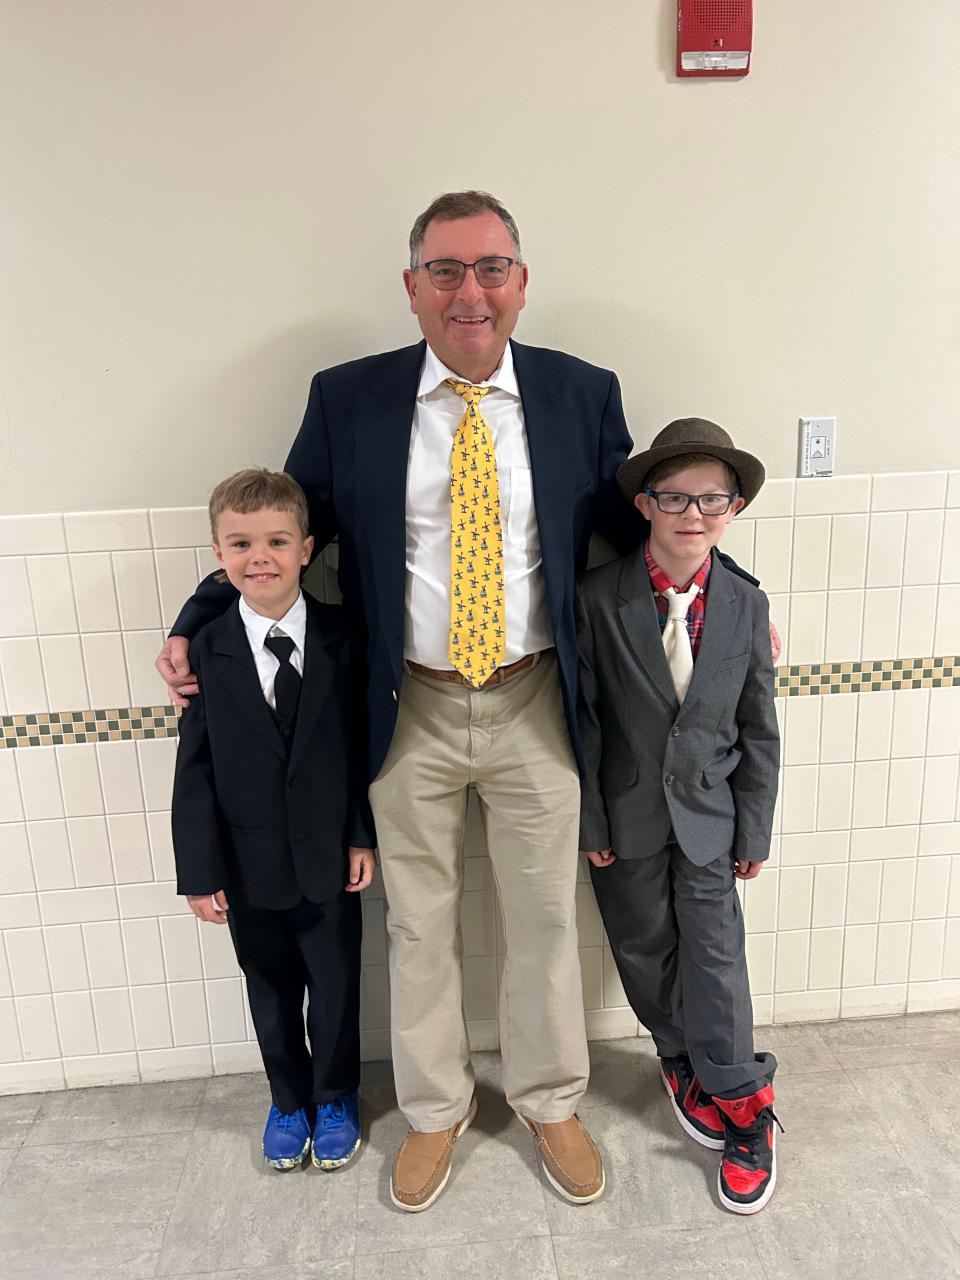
(707, 769)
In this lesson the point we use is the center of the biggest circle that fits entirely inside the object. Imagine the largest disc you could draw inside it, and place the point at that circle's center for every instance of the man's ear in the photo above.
(307, 550)
(410, 284)
(738, 505)
(642, 503)
(215, 548)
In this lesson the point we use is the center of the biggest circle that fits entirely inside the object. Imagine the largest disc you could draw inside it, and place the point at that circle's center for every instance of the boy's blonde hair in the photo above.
(255, 489)
(672, 466)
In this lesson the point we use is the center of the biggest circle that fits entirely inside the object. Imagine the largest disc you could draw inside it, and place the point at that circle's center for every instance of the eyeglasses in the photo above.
(449, 273)
(708, 504)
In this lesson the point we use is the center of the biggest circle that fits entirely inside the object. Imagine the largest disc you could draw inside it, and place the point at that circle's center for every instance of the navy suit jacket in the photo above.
(351, 455)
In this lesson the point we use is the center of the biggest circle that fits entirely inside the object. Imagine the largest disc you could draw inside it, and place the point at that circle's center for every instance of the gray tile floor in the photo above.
(166, 1180)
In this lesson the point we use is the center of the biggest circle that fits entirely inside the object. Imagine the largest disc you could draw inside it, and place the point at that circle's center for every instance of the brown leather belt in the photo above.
(454, 677)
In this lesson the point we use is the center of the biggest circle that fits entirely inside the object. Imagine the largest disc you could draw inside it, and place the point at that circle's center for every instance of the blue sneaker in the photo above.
(336, 1135)
(286, 1139)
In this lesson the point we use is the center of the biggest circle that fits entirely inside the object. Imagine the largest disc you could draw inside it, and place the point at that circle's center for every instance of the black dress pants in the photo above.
(676, 932)
(312, 948)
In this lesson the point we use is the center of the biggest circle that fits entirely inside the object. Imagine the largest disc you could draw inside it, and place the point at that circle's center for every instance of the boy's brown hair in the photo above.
(668, 467)
(254, 489)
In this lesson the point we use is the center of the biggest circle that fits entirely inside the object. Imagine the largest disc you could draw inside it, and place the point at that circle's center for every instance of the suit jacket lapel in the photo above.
(719, 621)
(382, 443)
(550, 437)
(238, 671)
(319, 671)
(638, 619)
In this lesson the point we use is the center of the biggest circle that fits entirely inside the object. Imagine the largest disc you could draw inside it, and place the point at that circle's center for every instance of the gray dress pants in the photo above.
(676, 931)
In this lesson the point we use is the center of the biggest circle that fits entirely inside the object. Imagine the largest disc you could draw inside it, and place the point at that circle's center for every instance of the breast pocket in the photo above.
(729, 676)
(521, 522)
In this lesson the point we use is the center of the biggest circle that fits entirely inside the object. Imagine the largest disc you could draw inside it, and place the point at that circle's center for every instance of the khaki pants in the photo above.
(512, 742)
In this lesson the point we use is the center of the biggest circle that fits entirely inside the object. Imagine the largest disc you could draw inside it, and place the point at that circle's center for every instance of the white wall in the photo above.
(203, 203)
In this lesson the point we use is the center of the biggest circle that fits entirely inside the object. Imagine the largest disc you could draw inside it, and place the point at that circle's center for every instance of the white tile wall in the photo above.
(848, 552)
(90, 848)
(95, 592)
(106, 669)
(17, 617)
(27, 535)
(104, 974)
(21, 672)
(106, 530)
(52, 592)
(62, 660)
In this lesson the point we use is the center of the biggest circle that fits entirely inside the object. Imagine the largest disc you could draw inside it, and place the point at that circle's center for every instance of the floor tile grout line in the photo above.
(553, 1253)
(188, 1150)
(6, 1176)
(751, 1225)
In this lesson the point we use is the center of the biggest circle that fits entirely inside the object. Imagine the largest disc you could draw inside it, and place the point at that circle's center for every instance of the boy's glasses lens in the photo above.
(672, 503)
(713, 504)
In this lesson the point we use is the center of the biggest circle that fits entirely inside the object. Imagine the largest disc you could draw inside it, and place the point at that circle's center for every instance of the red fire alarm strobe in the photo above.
(714, 37)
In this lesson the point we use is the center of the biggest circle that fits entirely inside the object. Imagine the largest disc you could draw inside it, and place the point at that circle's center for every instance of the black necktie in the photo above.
(286, 683)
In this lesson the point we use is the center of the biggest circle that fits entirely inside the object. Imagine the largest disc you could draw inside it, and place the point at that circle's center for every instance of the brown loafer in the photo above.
(570, 1159)
(422, 1166)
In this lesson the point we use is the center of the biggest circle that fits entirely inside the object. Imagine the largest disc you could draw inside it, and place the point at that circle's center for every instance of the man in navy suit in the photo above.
(374, 457)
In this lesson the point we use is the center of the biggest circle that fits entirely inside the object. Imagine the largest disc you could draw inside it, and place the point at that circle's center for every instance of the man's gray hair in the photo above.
(460, 204)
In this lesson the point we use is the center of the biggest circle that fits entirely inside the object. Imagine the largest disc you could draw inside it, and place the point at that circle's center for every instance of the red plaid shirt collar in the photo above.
(660, 583)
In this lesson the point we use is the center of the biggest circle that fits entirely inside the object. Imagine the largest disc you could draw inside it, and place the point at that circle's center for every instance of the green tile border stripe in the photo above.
(879, 676)
(133, 724)
(67, 728)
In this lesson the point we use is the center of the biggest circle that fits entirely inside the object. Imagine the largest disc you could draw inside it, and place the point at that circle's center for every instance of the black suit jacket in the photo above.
(268, 828)
(351, 459)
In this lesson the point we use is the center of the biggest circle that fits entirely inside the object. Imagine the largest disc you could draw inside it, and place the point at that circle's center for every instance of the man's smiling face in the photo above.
(469, 327)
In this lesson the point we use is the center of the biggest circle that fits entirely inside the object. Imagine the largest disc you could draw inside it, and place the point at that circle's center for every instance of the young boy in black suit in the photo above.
(272, 831)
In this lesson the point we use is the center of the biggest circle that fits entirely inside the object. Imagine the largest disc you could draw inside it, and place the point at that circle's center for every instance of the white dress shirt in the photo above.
(292, 624)
(435, 418)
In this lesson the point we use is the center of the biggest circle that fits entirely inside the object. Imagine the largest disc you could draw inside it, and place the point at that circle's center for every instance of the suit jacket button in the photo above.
(395, 696)
(669, 779)
(674, 732)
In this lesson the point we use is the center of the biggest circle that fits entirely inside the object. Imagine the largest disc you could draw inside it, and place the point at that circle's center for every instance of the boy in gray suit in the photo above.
(682, 750)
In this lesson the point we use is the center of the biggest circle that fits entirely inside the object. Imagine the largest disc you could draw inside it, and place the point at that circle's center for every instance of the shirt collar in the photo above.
(661, 582)
(435, 373)
(293, 624)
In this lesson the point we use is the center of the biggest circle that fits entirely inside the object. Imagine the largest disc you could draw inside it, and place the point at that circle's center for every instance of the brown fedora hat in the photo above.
(692, 435)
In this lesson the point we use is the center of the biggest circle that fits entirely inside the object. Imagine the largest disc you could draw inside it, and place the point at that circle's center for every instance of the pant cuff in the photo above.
(549, 1119)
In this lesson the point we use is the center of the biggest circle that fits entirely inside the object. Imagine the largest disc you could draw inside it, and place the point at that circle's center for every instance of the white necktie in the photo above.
(676, 638)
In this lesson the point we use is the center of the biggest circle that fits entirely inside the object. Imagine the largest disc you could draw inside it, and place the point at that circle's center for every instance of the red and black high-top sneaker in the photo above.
(748, 1170)
(693, 1108)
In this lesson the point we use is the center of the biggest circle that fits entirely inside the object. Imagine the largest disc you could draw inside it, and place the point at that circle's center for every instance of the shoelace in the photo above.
(331, 1114)
(692, 1097)
(749, 1155)
(284, 1120)
(690, 1088)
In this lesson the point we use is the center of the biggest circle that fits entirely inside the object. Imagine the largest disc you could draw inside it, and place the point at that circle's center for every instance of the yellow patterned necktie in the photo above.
(478, 634)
